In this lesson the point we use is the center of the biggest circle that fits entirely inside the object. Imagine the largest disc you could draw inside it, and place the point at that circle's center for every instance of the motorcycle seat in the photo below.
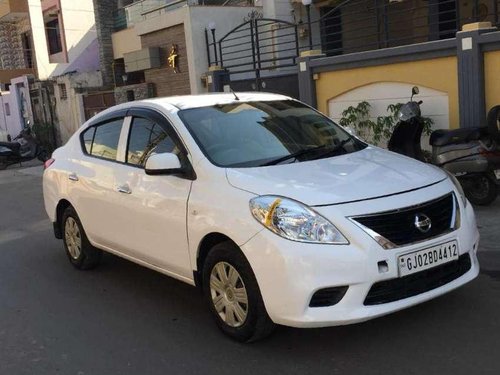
(14, 146)
(443, 137)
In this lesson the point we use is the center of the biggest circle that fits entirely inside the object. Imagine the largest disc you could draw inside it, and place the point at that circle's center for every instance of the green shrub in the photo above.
(358, 119)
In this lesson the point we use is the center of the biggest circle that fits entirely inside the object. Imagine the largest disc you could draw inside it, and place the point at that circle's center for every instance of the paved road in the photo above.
(124, 319)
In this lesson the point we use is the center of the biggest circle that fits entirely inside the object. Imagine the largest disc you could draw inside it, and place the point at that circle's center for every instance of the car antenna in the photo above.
(235, 96)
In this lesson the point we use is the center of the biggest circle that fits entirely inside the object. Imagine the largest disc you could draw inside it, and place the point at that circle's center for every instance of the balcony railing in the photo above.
(139, 10)
(363, 25)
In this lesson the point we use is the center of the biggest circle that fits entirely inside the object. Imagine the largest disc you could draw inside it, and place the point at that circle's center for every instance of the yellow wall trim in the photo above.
(439, 74)
(492, 78)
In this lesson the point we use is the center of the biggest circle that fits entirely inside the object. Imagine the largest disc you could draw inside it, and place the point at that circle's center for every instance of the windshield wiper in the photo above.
(335, 149)
(295, 155)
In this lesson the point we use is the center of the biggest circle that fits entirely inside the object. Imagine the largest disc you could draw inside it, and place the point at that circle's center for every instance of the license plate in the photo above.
(497, 174)
(427, 258)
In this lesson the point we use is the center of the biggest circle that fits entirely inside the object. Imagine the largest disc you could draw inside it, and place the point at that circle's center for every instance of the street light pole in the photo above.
(211, 26)
(307, 4)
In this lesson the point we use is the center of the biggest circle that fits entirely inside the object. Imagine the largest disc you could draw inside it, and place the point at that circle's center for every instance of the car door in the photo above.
(91, 179)
(151, 214)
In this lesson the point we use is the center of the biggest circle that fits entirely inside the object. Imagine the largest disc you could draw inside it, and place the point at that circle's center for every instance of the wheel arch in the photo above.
(60, 208)
(206, 244)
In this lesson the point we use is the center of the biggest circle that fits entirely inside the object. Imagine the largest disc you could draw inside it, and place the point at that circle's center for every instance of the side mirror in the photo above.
(163, 164)
(414, 91)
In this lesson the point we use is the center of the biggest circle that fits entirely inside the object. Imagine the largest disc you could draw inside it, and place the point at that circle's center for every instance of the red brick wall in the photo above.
(167, 82)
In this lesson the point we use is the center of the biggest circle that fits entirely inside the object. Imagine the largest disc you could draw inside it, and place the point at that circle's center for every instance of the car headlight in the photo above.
(294, 221)
(459, 187)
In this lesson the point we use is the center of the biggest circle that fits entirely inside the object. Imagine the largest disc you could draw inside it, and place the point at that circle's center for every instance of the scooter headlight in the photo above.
(294, 221)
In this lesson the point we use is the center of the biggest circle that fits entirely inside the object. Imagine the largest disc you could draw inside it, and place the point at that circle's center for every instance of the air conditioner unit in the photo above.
(143, 59)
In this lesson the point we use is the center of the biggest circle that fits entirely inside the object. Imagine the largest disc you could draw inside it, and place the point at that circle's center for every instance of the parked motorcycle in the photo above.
(25, 147)
(471, 154)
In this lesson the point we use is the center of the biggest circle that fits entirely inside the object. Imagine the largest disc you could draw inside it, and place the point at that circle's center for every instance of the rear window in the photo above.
(102, 140)
(88, 138)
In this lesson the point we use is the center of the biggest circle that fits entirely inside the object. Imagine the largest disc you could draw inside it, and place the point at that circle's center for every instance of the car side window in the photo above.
(102, 140)
(88, 138)
(147, 138)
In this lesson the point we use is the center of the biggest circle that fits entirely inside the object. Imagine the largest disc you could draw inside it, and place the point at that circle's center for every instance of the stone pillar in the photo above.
(307, 87)
(471, 88)
(104, 22)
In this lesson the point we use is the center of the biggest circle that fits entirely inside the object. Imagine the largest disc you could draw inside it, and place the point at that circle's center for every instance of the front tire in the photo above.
(81, 254)
(233, 295)
(480, 190)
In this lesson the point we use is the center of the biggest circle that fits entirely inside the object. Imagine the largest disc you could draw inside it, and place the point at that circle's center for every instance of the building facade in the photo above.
(62, 61)
(159, 46)
(377, 52)
(44, 46)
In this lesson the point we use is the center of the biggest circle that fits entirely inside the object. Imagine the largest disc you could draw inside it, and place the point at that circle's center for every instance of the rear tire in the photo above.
(81, 254)
(233, 295)
(480, 190)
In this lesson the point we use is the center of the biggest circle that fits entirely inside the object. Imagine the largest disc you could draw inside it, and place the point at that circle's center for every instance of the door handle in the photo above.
(73, 177)
(124, 189)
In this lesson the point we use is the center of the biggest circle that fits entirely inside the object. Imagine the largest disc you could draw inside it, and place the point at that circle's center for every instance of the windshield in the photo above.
(252, 134)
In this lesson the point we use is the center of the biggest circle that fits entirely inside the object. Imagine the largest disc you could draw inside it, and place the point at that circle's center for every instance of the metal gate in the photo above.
(97, 102)
(260, 54)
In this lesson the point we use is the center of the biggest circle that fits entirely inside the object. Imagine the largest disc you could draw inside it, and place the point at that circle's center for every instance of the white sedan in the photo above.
(277, 213)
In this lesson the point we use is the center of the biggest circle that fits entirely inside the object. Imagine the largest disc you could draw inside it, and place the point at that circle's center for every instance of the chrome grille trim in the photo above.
(387, 244)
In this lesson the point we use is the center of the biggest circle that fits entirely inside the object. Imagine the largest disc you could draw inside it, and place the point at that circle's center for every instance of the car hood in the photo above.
(366, 174)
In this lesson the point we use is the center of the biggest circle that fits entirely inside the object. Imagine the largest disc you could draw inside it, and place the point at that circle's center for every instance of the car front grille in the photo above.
(417, 283)
(399, 227)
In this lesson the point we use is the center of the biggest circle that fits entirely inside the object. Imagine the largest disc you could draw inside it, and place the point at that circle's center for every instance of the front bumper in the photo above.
(289, 273)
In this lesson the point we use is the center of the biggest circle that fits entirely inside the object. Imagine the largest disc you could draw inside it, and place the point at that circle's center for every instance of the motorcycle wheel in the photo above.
(480, 190)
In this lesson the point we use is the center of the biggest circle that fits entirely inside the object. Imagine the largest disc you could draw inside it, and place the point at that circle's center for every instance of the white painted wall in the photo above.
(380, 95)
(80, 36)
(7, 121)
(20, 107)
(280, 9)
(70, 111)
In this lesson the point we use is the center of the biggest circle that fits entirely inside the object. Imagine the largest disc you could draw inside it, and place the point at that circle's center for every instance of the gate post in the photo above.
(471, 86)
(307, 87)
(217, 78)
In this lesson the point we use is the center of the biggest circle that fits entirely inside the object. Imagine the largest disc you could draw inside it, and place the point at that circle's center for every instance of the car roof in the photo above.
(205, 100)
(184, 102)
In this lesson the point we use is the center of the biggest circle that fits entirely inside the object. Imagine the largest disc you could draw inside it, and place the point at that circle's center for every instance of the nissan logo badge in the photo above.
(423, 223)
